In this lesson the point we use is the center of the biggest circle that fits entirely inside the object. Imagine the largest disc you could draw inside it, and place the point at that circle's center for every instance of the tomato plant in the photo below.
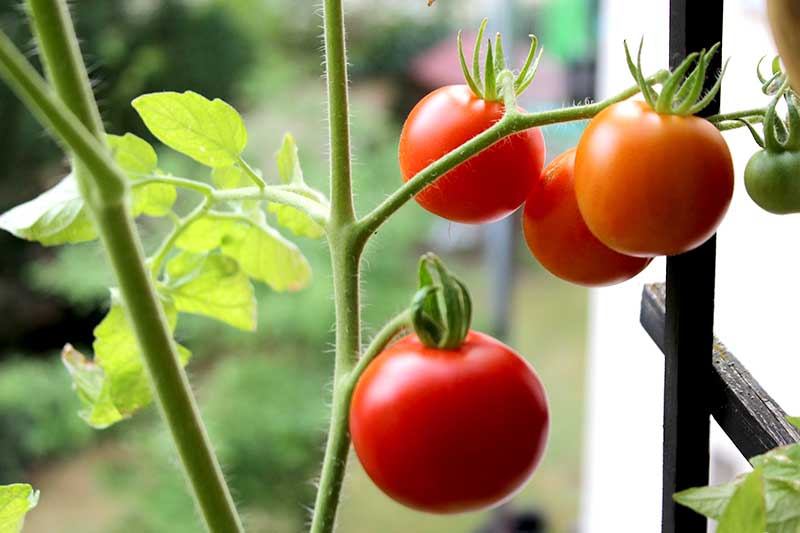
(448, 419)
(492, 184)
(651, 178)
(652, 184)
(489, 186)
(772, 175)
(558, 237)
(449, 430)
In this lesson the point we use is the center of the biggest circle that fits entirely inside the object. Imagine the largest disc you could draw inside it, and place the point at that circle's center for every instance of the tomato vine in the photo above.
(117, 178)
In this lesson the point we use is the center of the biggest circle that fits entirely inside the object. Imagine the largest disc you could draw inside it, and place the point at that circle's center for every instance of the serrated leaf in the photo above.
(266, 256)
(746, 511)
(288, 161)
(262, 253)
(57, 216)
(15, 501)
(214, 286)
(115, 383)
(139, 160)
(295, 220)
(708, 501)
(209, 131)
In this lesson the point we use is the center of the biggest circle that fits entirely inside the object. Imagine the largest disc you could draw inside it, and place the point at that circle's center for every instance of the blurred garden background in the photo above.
(264, 394)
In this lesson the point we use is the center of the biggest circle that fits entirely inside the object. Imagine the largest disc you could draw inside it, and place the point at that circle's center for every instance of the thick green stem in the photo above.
(510, 124)
(173, 392)
(345, 258)
(105, 190)
(346, 249)
(338, 112)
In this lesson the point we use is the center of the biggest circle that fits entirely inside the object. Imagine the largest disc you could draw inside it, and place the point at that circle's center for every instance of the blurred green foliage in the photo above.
(266, 416)
(38, 416)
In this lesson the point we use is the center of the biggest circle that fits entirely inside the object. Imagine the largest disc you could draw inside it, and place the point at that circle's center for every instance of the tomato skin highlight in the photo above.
(773, 181)
(487, 187)
(650, 184)
(447, 431)
(558, 237)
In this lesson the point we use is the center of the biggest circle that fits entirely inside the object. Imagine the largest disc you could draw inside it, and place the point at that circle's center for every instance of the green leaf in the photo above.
(746, 511)
(214, 286)
(15, 501)
(57, 216)
(231, 177)
(266, 256)
(94, 390)
(288, 162)
(209, 131)
(139, 161)
(708, 501)
(262, 253)
(295, 220)
(115, 384)
(794, 420)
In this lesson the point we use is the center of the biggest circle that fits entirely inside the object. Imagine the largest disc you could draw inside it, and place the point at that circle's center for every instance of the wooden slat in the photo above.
(748, 415)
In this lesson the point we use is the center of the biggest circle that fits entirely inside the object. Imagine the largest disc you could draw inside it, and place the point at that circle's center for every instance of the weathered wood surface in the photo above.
(748, 415)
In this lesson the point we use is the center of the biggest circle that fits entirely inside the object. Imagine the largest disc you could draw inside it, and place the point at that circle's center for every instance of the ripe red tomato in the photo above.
(447, 431)
(558, 237)
(649, 184)
(487, 187)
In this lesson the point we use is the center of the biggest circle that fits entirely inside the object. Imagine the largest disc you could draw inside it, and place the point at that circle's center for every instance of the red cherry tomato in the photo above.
(558, 237)
(447, 431)
(650, 184)
(487, 187)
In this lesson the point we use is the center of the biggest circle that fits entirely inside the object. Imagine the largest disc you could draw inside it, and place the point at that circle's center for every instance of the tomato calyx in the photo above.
(489, 87)
(682, 91)
(441, 310)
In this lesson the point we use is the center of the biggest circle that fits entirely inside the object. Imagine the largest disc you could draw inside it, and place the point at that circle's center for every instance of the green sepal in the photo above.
(441, 310)
(487, 86)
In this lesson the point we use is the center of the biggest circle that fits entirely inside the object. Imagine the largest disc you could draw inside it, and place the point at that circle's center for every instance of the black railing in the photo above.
(701, 377)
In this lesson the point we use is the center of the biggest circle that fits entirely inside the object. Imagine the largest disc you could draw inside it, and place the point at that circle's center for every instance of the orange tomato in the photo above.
(558, 237)
(649, 184)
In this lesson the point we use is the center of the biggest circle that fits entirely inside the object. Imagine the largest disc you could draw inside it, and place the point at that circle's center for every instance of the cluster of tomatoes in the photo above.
(639, 184)
(460, 424)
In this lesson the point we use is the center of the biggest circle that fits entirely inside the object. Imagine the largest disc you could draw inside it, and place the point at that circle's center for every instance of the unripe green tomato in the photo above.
(772, 180)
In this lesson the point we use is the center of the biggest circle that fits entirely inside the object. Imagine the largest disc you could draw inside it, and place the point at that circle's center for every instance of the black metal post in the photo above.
(688, 334)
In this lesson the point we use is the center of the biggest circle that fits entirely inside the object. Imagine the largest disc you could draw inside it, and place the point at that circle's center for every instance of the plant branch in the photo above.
(248, 170)
(181, 224)
(746, 113)
(319, 212)
(346, 250)
(381, 340)
(105, 191)
(338, 111)
(508, 125)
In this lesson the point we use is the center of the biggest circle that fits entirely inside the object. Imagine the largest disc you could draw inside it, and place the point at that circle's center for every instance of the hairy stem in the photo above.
(746, 113)
(105, 192)
(381, 340)
(338, 112)
(181, 225)
(346, 251)
(510, 124)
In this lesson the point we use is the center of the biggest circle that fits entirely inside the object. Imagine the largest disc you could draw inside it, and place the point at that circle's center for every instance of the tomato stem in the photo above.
(105, 187)
(510, 124)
